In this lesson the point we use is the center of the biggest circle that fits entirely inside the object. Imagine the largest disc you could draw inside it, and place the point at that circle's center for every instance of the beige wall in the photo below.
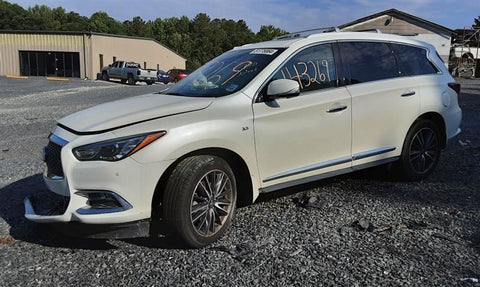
(135, 50)
(395, 26)
(89, 48)
(12, 43)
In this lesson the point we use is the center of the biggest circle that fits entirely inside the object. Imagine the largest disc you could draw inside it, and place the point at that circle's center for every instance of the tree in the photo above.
(12, 16)
(269, 32)
(198, 40)
(43, 17)
(102, 23)
(136, 27)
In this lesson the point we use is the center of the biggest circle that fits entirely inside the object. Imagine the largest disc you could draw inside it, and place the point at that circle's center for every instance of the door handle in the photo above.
(408, 94)
(336, 109)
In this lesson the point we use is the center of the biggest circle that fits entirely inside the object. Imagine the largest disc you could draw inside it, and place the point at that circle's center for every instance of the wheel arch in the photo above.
(236, 162)
(440, 122)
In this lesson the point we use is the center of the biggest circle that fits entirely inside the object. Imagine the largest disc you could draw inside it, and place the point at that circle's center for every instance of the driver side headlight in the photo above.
(117, 149)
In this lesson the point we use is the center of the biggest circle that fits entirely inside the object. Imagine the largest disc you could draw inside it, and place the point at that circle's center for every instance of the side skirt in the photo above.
(326, 175)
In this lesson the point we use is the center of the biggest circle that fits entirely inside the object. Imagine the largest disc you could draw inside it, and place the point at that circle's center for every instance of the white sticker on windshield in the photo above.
(263, 52)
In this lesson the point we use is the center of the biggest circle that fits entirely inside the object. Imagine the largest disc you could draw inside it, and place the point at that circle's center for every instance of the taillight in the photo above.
(455, 86)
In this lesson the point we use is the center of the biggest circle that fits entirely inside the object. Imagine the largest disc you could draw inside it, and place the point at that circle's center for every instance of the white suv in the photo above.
(256, 119)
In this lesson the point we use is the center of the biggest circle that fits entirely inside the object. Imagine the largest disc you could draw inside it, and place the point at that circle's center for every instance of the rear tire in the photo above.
(199, 200)
(130, 80)
(149, 83)
(420, 151)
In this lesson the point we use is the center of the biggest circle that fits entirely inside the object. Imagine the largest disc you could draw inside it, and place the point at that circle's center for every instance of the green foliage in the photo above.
(198, 40)
(269, 32)
(102, 23)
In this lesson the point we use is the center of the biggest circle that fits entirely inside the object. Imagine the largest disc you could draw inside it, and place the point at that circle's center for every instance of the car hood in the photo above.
(122, 113)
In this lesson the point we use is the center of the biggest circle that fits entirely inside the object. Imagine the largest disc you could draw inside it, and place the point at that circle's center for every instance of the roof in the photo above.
(79, 33)
(333, 36)
(402, 15)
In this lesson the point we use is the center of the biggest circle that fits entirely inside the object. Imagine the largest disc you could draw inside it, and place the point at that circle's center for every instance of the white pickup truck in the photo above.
(128, 72)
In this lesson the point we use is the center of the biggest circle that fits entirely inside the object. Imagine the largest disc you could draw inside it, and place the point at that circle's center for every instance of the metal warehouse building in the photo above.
(394, 21)
(78, 54)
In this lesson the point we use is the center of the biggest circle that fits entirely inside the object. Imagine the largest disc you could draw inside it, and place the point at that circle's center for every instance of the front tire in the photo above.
(105, 76)
(200, 199)
(421, 150)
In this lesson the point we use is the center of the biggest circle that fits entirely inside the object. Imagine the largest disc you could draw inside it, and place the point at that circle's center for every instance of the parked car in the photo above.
(163, 77)
(257, 119)
(177, 74)
(128, 72)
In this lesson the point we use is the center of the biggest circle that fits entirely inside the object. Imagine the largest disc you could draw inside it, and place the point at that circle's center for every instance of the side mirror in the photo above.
(282, 88)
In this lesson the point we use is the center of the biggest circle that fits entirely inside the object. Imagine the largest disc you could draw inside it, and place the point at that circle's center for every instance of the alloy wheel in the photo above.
(211, 203)
(424, 150)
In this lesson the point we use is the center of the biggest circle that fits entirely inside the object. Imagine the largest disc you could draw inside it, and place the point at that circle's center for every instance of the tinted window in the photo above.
(313, 68)
(369, 61)
(413, 60)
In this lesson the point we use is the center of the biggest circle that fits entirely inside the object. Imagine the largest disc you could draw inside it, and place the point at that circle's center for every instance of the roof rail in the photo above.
(306, 33)
(369, 30)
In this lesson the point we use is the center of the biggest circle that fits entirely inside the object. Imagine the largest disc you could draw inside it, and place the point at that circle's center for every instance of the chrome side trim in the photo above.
(310, 168)
(325, 175)
(58, 140)
(305, 180)
(341, 160)
(373, 152)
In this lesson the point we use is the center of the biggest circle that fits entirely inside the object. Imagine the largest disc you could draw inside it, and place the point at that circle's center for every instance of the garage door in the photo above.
(58, 64)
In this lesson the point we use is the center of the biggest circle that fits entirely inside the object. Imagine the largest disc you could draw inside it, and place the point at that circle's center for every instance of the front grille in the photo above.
(53, 159)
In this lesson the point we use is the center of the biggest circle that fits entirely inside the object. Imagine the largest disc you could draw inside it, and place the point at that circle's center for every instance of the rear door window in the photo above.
(369, 61)
(413, 61)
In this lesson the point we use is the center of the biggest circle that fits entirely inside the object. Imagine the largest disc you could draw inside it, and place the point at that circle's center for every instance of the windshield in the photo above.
(225, 74)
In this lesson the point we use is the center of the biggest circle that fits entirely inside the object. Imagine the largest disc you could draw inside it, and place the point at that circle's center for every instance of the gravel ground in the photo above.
(360, 229)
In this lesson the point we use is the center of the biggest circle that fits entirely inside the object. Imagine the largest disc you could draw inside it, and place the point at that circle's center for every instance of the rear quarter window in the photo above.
(369, 61)
(413, 61)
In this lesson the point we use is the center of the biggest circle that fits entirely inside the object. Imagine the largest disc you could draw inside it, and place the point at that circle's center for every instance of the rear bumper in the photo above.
(145, 79)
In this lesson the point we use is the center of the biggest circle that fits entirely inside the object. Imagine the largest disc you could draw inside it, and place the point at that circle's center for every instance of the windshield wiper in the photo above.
(175, 94)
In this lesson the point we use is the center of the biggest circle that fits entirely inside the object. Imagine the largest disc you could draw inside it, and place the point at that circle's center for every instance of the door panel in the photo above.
(381, 116)
(384, 103)
(297, 137)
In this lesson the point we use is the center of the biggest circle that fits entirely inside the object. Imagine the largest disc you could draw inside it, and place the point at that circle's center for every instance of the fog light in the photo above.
(102, 202)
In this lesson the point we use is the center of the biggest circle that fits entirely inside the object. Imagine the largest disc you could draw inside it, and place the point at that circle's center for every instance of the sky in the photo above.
(291, 15)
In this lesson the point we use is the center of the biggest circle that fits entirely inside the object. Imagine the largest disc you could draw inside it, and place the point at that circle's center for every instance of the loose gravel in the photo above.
(361, 229)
